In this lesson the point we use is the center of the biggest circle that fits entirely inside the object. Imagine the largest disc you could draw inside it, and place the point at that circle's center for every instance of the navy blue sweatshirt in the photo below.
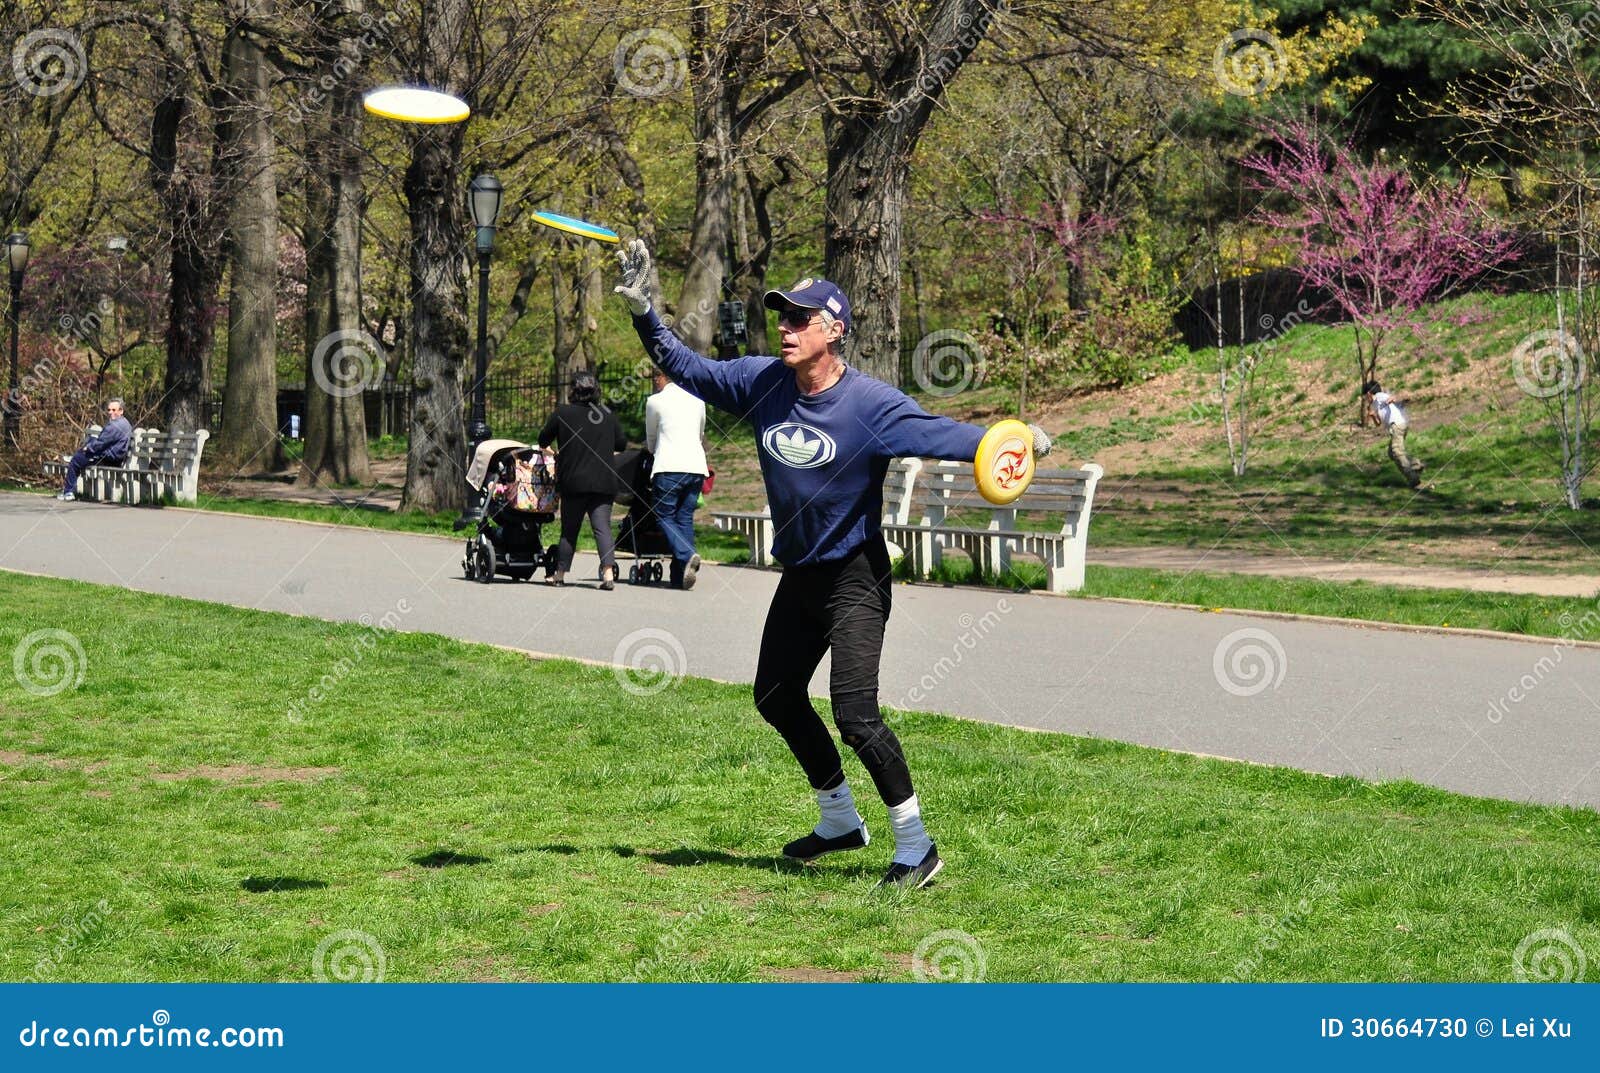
(823, 456)
(111, 445)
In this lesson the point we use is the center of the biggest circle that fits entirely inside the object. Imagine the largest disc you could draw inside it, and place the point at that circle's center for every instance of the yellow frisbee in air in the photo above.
(414, 104)
(1004, 466)
(574, 226)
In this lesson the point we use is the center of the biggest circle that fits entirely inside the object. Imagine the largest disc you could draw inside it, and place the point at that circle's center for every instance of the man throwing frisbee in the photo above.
(825, 433)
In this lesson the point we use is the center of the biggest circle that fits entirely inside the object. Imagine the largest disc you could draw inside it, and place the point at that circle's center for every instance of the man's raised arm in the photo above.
(728, 385)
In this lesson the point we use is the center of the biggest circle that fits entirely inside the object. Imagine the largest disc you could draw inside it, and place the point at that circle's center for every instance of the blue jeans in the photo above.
(676, 494)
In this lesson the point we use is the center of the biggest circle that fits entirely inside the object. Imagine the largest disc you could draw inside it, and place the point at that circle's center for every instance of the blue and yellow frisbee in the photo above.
(573, 226)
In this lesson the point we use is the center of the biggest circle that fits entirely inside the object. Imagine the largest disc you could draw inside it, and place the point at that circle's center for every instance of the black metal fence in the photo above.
(516, 406)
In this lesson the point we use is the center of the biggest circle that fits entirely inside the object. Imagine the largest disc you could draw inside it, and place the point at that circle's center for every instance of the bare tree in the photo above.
(1537, 98)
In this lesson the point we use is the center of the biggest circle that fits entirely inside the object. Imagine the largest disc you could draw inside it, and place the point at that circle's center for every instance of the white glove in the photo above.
(635, 285)
(1041, 441)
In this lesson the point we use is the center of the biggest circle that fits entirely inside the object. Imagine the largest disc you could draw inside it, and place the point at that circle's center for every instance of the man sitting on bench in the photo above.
(109, 448)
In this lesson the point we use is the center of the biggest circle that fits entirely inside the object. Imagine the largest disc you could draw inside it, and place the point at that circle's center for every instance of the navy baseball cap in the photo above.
(811, 294)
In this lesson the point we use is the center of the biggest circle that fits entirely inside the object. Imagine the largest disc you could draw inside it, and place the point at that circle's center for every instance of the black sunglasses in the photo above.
(795, 317)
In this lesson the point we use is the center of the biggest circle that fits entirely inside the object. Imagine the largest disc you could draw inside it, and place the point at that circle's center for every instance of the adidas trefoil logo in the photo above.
(799, 446)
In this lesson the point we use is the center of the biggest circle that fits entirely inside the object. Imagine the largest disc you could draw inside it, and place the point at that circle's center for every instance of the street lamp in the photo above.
(17, 261)
(484, 197)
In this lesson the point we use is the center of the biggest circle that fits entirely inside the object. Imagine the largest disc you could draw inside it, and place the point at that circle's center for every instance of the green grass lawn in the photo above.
(192, 810)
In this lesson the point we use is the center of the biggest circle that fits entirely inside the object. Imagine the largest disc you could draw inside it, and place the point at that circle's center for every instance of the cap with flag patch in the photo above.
(812, 294)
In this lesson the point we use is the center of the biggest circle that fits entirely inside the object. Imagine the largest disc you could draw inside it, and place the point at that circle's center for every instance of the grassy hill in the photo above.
(1317, 485)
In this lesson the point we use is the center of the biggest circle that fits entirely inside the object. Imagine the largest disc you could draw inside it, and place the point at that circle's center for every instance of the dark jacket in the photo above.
(587, 439)
(111, 445)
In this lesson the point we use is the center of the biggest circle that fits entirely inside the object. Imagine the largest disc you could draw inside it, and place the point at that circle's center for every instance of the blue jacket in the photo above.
(823, 456)
(111, 445)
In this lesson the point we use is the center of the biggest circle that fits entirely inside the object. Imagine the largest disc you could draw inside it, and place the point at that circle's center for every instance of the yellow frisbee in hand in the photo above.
(1004, 466)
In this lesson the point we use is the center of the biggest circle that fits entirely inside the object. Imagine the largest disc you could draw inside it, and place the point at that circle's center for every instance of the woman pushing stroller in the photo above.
(587, 437)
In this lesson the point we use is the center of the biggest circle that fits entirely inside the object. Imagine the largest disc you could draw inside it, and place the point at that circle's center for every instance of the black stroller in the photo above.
(640, 533)
(516, 485)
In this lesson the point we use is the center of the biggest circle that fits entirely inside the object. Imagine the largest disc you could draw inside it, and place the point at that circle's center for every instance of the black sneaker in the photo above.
(913, 876)
(814, 845)
(690, 570)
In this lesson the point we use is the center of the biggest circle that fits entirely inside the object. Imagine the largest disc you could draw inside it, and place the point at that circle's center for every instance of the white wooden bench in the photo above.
(757, 529)
(946, 488)
(159, 465)
(754, 526)
(930, 492)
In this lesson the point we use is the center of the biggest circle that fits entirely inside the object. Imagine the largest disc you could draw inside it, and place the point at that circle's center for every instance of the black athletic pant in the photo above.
(843, 606)
(575, 506)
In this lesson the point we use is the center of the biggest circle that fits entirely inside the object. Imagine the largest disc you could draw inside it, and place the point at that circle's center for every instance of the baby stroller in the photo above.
(516, 485)
(640, 533)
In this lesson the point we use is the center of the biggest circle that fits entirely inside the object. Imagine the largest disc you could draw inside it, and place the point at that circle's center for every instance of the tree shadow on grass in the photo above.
(270, 884)
(447, 858)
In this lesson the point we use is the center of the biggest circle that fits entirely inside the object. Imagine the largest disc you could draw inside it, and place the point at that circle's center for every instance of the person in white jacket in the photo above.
(674, 431)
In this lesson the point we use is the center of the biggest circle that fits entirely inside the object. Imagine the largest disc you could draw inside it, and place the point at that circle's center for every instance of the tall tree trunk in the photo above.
(562, 341)
(249, 435)
(758, 256)
(696, 324)
(868, 170)
(184, 191)
(436, 457)
(344, 360)
(590, 299)
(869, 147)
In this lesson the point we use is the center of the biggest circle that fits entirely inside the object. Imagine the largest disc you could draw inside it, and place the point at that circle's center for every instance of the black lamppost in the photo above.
(17, 260)
(484, 197)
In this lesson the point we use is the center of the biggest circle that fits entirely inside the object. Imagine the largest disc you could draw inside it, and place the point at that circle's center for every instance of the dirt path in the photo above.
(1293, 566)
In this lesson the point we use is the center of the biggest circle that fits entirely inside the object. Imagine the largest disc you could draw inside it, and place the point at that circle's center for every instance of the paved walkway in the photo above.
(1371, 702)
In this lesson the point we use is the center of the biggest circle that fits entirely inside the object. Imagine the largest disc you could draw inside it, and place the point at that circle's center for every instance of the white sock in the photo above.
(839, 815)
(911, 841)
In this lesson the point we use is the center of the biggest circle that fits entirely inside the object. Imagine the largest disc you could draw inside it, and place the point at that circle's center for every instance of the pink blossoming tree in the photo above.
(1377, 242)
